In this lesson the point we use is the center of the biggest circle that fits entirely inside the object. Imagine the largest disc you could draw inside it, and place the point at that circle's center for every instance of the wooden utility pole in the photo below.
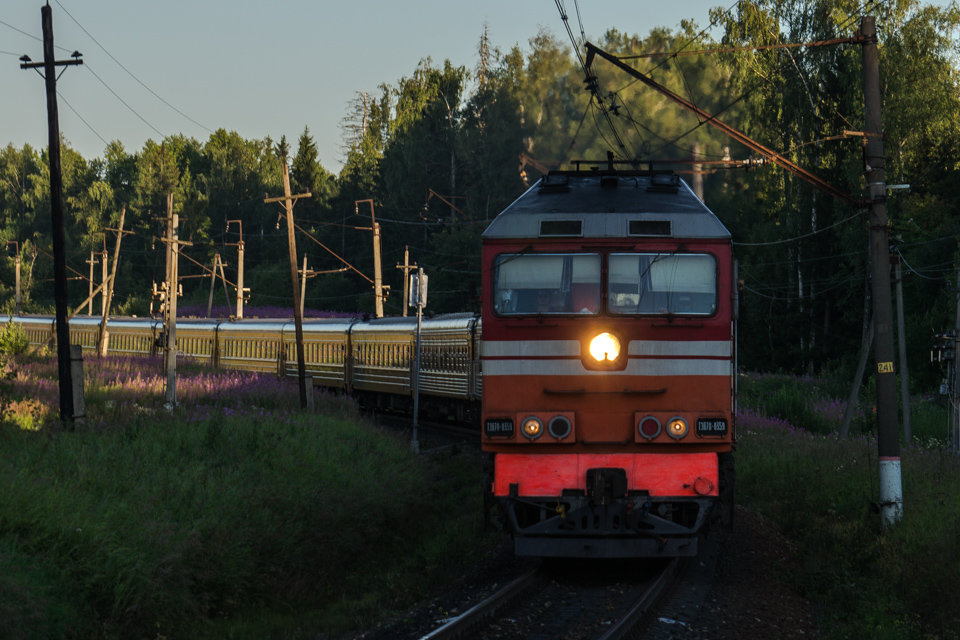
(104, 339)
(49, 65)
(888, 436)
(288, 202)
(406, 267)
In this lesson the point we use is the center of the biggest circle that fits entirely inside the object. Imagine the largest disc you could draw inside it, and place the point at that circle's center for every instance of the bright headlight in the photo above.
(677, 427)
(605, 347)
(532, 427)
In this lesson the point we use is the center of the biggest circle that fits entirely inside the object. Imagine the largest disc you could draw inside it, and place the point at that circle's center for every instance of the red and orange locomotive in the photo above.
(608, 358)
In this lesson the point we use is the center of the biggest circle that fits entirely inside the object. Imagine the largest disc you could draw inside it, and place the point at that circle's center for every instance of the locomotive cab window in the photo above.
(662, 283)
(547, 284)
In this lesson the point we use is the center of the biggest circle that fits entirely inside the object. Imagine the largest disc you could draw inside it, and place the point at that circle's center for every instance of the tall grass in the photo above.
(233, 516)
(822, 489)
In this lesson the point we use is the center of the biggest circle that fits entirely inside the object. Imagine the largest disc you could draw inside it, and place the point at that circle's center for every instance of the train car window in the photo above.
(547, 283)
(662, 284)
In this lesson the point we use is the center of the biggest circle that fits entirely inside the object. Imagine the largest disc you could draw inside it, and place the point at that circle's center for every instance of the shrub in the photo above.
(13, 340)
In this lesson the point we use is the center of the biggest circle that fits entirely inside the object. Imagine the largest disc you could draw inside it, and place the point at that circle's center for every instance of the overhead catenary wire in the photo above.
(130, 73)
(82, 119)
(30, 35)
(800, 237)
(123, 102)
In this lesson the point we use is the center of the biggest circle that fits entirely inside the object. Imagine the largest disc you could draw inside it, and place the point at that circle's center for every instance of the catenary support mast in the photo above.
(888, 437)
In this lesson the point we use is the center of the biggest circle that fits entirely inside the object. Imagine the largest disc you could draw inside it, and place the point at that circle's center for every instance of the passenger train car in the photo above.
(370, 359)
(608, 361)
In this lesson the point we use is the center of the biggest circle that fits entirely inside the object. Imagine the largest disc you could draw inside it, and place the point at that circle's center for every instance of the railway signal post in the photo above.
(418, 299)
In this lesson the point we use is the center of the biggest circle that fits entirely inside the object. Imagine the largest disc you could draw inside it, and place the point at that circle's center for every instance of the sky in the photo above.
(153, 69)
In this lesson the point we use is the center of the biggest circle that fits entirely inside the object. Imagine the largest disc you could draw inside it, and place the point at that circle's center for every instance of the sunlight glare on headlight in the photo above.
(605, 347)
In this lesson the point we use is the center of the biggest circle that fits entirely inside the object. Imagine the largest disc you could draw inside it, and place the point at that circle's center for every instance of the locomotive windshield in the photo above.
(547, 283)
(662, 283)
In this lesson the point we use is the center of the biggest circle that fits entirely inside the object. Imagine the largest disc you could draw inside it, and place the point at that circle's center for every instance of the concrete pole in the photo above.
(888, 433)
(103, 279)
(91, 261)
(170, 349)
(17, 276)
(377, 271)
(240, 279)
(104, 342)
(303, 284)
(406, 279)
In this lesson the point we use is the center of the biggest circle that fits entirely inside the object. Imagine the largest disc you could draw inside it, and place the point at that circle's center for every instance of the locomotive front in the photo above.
(608, 361)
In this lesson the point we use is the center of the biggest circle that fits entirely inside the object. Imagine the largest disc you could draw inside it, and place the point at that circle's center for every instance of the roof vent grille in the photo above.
(561, 228)
(649, 228)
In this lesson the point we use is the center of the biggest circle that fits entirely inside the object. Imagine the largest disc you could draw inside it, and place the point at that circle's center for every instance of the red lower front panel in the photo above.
(660, 474)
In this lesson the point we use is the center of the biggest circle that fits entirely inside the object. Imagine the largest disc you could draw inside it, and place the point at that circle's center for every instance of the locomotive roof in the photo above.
(607, 204)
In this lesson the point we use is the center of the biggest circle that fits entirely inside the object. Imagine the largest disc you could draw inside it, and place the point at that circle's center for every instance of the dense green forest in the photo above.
(461, 134)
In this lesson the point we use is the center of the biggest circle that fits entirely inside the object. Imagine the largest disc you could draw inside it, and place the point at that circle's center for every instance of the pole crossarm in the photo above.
(292, 198)
(742, 138)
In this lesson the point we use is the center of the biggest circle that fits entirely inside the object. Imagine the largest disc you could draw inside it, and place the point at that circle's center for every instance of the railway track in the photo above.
(433, 435)
(593, 600)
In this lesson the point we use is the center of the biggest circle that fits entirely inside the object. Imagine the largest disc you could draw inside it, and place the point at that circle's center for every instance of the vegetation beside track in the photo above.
(234, 516)
(821, 489)
(237, 516)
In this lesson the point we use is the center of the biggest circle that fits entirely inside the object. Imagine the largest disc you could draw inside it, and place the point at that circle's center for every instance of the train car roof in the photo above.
(408, 324)
(607, 204)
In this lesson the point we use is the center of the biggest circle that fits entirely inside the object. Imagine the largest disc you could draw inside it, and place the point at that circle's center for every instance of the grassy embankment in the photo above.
(865, 583)
(239, 517)
(235, 516)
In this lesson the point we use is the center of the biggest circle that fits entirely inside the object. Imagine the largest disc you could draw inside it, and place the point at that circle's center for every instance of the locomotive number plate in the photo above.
(711, 426)
(498, 427)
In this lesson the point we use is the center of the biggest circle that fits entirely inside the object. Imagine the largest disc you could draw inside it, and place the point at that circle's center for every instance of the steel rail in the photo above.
(625, 625)
(476, 614)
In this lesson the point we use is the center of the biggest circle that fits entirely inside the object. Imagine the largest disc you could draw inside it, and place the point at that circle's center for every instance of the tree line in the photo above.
(440, 152)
